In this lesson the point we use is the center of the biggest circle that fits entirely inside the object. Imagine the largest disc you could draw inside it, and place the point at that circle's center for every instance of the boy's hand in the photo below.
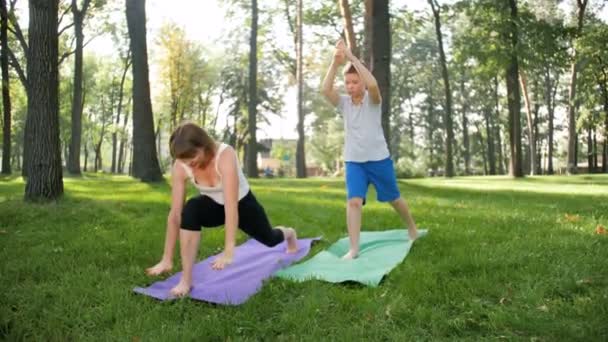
(341, 45)
(339, 57)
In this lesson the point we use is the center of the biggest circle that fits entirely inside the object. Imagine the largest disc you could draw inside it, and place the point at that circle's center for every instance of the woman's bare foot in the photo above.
(160, 268)
(350, 255)
(291, 237)
(181, 289)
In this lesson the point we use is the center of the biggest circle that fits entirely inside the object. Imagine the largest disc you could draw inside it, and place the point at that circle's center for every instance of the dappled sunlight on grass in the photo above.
(514, 258)
(591, 185)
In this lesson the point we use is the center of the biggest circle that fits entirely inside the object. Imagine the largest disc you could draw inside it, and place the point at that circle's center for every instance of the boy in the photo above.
(366, 154)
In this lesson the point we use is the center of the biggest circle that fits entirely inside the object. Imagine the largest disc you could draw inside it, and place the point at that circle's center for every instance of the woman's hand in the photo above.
(222, 261)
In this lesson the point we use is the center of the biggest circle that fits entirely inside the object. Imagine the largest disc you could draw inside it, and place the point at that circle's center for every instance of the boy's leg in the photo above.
(382, 175)
(354, 209)
(356, 185)
(401, 207)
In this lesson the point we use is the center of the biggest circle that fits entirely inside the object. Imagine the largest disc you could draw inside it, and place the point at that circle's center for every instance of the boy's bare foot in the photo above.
(413, 233)
(350, 255)
(160, 268)
(181, 289)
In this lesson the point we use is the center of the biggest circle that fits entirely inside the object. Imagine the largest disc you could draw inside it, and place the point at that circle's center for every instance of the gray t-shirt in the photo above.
(363, 136)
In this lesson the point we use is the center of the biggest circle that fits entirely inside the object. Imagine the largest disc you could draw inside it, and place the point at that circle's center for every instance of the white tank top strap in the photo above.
(186, 168)
(220, 149)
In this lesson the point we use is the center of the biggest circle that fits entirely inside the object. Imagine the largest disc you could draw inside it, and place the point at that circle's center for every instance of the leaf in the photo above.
(572, 218)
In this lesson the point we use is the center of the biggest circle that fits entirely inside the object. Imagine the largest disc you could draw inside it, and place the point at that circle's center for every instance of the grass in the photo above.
(504, 260)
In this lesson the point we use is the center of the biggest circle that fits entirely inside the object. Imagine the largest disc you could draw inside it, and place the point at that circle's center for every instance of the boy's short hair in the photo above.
(349, 68)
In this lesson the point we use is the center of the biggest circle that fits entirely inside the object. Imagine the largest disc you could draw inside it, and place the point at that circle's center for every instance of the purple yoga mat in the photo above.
(252, 264)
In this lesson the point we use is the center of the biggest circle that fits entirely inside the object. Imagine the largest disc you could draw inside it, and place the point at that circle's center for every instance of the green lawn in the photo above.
(504, 260)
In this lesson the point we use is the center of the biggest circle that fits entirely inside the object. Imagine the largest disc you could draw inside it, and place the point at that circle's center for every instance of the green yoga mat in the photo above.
(379, 253)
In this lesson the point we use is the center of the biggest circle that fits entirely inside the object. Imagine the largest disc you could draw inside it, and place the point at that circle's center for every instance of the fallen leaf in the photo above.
(600, 229)
(572, 218)
(584, 281)
(543, 308)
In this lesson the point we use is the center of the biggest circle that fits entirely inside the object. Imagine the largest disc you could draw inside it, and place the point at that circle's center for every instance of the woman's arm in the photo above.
(178, 192)
(227, 166)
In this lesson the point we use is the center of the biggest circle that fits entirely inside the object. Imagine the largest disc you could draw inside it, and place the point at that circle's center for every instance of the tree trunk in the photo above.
(531, 136)
(381, 67)
(367, 54)
(73, 163)
(501, 159)
(572, 102)
(300, 151)
(465, 128)
(550, 90)
(6, 94)
(45, 178)
(512, 75)
(447, 118)
(490, 142)
(118, 113)
(86, 157)
(589, 149)
(594, 149)
(348, 26)
(145, 160)
(604, 88)
(251, 151)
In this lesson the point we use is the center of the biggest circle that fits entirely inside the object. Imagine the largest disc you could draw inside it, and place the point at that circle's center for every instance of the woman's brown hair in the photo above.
(188, 139)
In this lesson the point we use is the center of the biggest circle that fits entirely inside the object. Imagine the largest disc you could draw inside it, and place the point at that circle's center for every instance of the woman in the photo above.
(225, 198)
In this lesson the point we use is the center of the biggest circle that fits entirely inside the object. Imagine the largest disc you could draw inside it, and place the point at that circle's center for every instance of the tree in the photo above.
(572, 103)
(252, 162)
(6, 96)
(449, 159)
(45, 179)
(145, 159)
(73, 163)
(300, 151)
(513, 96)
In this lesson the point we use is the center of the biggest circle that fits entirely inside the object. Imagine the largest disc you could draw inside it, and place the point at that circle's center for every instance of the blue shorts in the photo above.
(379, 173)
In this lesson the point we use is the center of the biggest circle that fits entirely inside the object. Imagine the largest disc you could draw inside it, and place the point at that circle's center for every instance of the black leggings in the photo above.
(203, 211)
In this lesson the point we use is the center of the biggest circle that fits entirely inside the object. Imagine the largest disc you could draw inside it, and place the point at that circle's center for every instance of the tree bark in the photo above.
(45, 178)
(381, 66)
(348, 26)
(300, 148)
(490, 142)
(572, 102)
(501, 159)
(513, 96)
(73, 163)
(145, 161)
(118, 113)
(531, 136)
(447, 118)
(252, 162)
(465, 127)
(6, 94)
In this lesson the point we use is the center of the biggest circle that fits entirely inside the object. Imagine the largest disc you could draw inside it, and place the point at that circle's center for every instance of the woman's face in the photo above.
(195, 161)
